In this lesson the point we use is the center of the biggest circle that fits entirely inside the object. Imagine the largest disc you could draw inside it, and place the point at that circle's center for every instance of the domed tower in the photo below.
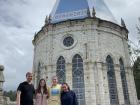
(83, 45)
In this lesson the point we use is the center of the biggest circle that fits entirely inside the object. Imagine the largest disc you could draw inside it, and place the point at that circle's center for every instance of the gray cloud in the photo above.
(20, 19)
(128, 10)
(10, 16)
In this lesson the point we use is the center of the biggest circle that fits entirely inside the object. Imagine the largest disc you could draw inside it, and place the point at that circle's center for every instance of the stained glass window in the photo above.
(61, 72)
(78, 79)
(68, 41)
(112, 81)
(124, 82)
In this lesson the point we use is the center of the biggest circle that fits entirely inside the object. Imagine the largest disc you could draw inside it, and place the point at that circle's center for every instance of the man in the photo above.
(54, 92)
(25, 91)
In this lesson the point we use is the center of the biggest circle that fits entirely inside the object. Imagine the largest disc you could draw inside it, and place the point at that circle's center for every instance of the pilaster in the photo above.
(49, 74)
(100, 94)
(119, 84)
(90, 90)
(69, 74)
(105, 85)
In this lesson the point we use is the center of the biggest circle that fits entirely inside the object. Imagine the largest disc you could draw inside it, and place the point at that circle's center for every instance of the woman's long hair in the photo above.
(45, 90)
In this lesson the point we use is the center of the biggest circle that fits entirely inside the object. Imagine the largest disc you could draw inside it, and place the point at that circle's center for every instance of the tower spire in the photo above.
(93, 12)
(123, 23)
(46, 20)
(88, 12)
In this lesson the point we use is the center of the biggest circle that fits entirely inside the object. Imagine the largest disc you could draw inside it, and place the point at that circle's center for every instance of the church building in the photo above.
(83, 44)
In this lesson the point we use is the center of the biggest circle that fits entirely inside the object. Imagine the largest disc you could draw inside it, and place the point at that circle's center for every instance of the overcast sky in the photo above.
(20, 19)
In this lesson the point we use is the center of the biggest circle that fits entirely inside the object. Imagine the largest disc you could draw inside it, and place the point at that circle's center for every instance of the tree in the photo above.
(134, 47)
(136, 71)
(136, 65)
(134, 50)
(11, 94)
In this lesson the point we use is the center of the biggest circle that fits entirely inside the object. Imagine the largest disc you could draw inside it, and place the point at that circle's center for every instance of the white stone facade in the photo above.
(94, 40)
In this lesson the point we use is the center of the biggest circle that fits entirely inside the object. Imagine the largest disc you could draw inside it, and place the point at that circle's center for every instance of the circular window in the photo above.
(68, 41)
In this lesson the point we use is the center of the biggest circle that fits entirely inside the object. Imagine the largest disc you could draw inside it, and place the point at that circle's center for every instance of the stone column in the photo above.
(54, 68)
(100, 91)
(1, 84)
(90, 90)
(43, 72)
(119, 84)
(105, 85)
(35, 79)
(48, 77)
(96, 69)
(69, 74)
(49, 74)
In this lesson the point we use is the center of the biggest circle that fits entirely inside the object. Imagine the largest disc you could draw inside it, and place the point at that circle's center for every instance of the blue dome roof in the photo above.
(79, 9)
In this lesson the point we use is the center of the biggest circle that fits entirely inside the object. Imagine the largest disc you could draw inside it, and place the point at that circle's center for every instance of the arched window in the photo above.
(78, 78)
(124, 82)
(61, 72)
(112, 81)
